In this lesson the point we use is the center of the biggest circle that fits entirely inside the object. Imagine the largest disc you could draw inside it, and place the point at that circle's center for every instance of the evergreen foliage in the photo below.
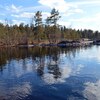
(51, 32)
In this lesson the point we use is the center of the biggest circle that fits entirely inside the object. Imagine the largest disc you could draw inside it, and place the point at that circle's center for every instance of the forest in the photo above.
(39, 33)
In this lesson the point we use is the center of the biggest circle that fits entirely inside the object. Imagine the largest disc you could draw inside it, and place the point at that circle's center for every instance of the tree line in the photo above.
(38, 32)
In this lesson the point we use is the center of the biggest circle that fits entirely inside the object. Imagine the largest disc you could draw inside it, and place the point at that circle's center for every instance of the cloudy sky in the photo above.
(79, 14)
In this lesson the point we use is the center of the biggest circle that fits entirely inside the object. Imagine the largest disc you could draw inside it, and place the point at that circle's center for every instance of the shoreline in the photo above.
(65, 43)
(47, 45)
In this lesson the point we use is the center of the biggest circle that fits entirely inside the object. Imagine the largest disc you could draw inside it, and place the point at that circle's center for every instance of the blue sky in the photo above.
(78, 14)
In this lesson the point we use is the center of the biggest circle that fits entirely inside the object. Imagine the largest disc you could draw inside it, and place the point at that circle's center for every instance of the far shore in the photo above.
(60, 44)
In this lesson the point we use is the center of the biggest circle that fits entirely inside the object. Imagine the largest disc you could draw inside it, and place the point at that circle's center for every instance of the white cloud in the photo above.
(69, 10)
(87, 22)
(65, 23)
(29, 15)
(11, 22)
(87, 2)
(20, 9)
(78, 10)
(34, 8)
(66, 9)
(50, 3)
(45, 14)
(61, 5)
(2, 21)
(6, 21)
(17, 22)
(97, 16)
(92, 90)
(93, 18)
(14, 8)
(23, 15)
(85, 19)
(67, 14)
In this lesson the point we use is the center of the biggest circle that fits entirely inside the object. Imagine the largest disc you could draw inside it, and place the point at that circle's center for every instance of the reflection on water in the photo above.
(57, 75)
(50, 73)
(16, 92)
(92, 90)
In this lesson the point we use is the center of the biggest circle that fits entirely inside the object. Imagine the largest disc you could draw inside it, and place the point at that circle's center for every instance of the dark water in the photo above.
(50, 73)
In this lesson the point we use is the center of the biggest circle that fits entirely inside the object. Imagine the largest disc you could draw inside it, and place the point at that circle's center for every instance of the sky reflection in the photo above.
(57, 73)
(15, 92)
(92, 90)
(64, 73)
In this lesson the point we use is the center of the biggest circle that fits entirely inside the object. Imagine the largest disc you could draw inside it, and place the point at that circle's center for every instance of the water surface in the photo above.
(50, 73)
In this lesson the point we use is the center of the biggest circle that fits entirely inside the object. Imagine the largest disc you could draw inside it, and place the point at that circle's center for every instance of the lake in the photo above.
(50, 73)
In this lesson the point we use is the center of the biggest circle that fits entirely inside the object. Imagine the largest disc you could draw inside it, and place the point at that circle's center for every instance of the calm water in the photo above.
(50, 73)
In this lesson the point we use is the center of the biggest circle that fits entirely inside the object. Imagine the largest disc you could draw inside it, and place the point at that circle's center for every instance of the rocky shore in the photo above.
(65, 43)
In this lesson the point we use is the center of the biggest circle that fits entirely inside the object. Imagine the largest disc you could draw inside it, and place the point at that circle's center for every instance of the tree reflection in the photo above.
(40, 68)
(53, 67)
(39, 55)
